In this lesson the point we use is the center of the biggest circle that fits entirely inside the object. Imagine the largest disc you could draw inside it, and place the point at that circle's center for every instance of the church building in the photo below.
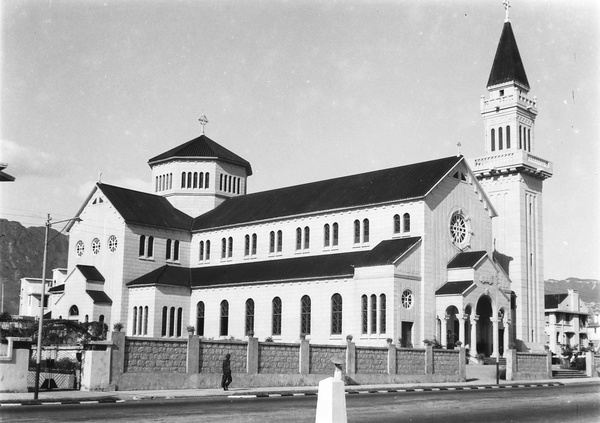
(445, 249)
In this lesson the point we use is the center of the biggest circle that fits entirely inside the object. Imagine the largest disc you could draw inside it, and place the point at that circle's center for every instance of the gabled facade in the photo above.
(566, 321)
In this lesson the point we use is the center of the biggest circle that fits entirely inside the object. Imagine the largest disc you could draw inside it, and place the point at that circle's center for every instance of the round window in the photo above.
(96, 246)
(459, 229)
(79, 248)
(407, 298)
(112, 243)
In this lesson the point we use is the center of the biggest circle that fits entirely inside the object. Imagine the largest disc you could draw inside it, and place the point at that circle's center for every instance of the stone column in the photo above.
(495, 337)
(473, 349)
(443, 340)
(461, 329)
(511, 364)
(304, 356)
(507, 329)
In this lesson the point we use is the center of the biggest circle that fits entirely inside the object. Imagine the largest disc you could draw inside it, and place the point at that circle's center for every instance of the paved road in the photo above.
(574, 403)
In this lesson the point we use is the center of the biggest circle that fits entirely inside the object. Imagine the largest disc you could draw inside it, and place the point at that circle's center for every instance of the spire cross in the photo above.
(203, 121)
(506, 4)
(458, 144)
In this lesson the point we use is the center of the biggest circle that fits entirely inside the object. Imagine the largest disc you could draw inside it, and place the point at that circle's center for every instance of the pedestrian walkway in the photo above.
(86, 397)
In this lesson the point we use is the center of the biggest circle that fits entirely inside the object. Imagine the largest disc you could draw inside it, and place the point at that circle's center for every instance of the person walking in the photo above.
(226, 379)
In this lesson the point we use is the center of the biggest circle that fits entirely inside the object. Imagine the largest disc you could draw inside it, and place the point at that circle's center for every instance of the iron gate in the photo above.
(60, 368)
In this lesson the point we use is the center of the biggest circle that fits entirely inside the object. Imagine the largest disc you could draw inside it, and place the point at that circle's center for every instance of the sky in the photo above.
(303, 90)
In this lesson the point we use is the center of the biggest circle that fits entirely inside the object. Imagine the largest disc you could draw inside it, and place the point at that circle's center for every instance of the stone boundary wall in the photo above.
(445, 362)
(278, 358)
(212, 353)
(371, 360)
(320, 358)
(410, 361)
(155, 355)
(531, 363)
(528, 366)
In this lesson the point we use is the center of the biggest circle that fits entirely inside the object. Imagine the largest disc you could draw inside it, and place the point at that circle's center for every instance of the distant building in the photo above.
(31, 293)
(5, 177)
(566, 321)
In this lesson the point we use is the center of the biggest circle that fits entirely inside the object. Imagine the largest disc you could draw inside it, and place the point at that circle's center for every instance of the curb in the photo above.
(114, 400)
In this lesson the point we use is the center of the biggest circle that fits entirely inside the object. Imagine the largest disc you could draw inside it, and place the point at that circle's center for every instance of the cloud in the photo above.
(23, 160)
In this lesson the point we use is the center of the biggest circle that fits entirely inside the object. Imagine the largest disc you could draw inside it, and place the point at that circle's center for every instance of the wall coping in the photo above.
(140, 338)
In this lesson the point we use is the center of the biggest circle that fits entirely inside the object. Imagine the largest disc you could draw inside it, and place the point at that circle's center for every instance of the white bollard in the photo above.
(331, 401)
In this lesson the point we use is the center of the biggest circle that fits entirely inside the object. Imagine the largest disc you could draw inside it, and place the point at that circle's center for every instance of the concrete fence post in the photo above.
(462, 364)
(350, 358)
(391, 362)
(549, 364)
(590, 366)
(14, 366)
(429, 360)
(252, 356)
(94, 376)
(117, 357)
(193, 355)
(304, 359)
(511, 364)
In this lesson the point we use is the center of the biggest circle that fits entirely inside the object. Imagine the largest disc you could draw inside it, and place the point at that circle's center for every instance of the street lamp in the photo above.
(41, 319)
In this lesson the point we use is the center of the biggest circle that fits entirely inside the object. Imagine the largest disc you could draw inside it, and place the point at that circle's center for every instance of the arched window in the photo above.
(396, 224)
(172, 321)
(254, 244)
(335, 234)
(272, 242)
(382, 313)
(500, 138)
(364, 313)
(230, 250)
(276, 321)
(182, 179)
(201, 180)
(365, 230)
(101, 318)
(73, 311)
(135, 320)
(163, 331)
(156, 185)
(279, 241)
(520, 137)
(306, 237)
(207, 250)
(247, 245)
(298, 238)
(221, 182)
(305, 310)
(326, 235)
(168, 251)
(206, 180)
(140, 320)
(201, 251)
(373, 314)
(150, 246)
(507, 136)
(249, 317)
(200, 318)
(230, 188)
(179, 320)
(146, 320)
(336, 314)
(238, 185)
(142, 250)
(176, 251)
(224, 329)
(223, 248)
(529, 140)
(406, 218)
(356, 231)
(493, 140)
(170, 181)
(195, 180)
(189, 179)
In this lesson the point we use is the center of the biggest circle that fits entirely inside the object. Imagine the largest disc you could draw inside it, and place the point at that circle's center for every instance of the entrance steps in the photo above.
(568, 374)
(491, 361)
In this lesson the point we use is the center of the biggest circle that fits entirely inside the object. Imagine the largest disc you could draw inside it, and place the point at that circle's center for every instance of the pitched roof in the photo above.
(98, 296)
(90, 273)
(387, 252)
(468, 259)
(145, 209)
(454, 288)
(554, 300)
(395, 184)
(307, 267)
(57, 288)
(203, 147)
(507, 65)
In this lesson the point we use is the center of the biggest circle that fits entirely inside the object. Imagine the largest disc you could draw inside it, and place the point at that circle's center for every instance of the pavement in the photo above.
(56, 397)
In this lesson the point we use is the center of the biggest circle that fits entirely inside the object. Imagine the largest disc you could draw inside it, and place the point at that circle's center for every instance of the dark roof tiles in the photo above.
(90, 273)
(507, 65)
(454, 288)
(387, 252)
(468, 259)
(99, 297)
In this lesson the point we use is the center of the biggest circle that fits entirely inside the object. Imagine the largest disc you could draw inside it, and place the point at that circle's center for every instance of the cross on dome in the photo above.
(203, 121)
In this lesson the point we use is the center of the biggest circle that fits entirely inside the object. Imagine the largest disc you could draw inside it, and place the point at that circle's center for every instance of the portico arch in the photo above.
(452, 327)
(484, 343)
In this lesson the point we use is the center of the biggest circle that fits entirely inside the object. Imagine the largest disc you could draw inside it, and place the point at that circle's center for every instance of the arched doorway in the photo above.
(452, 327)
(485, 328)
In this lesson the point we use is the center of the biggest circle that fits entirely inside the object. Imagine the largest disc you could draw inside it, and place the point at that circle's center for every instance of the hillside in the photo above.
(21, 255)
(589, 290)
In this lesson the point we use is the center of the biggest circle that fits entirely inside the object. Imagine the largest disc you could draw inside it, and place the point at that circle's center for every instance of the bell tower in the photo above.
(513, 176)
